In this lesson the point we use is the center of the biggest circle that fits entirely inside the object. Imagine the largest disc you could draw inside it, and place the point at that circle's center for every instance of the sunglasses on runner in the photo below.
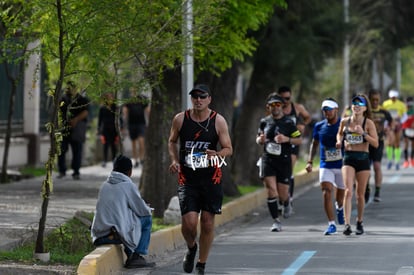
(325, 109)
(275, 104)
(358, 103)
(199, 96)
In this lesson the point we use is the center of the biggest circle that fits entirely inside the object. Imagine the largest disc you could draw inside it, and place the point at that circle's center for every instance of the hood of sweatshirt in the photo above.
(117, 177)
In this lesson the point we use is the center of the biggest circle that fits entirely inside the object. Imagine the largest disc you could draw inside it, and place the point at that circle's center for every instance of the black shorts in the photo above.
(136, 130)
(200, 190)
(375, 154)
(279, 167)
(358, 160)
(295, 150)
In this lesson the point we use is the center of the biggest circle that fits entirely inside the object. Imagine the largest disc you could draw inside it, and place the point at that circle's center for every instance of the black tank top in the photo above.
(195, 138)
(292, 115)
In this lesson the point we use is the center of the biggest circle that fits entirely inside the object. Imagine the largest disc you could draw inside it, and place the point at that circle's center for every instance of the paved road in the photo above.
(250, 248)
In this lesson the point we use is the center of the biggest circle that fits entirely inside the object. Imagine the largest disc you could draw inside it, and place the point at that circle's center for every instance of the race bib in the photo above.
(274, 148)
(196, 160)
(354, 138)
(332, 154)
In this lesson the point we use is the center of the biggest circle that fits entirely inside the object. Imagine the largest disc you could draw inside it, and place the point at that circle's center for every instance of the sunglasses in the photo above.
(199, 96)
(358, 103)
(287, 98)
(325, 109)
(275, 104)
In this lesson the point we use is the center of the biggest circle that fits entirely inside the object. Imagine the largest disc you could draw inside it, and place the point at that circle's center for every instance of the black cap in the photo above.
(274, 98)
(203, 88)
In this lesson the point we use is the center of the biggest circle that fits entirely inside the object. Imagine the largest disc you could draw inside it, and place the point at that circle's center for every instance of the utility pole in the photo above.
(346, 58)
(187, 67)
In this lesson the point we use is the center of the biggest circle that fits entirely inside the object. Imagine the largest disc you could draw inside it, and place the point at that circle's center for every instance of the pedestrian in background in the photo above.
(204, 142)
(135, 115)
(383, 123)
(74, 110)
(330, 175)
(276, 134)
(122, 216)
(398, 112)
(301, 117)
(408, 134)
(107, 130)
(356, 133)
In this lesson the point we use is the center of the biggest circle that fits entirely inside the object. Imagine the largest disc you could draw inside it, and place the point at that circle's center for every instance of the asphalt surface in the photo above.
(248, 247)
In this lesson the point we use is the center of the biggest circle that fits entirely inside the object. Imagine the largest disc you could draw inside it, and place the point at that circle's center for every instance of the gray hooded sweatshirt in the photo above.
(120, 205)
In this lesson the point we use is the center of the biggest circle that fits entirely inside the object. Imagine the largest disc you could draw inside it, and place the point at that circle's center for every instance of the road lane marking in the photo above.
(296, 265)
(405, 270)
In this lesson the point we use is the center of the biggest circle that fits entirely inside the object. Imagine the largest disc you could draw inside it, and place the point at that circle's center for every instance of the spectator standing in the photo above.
(356, 133)
(383, 123)
(107, 130)
(330, 175)
(122, 216)
(198, 162)
(301, 117)
(398, 112)
(276, 134)
(135, 115)
(74, 109)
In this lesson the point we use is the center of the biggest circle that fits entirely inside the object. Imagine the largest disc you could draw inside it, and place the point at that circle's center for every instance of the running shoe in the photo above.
(406, 164)
(359, 228)
(377, 198)
(188, 262)
(276, 226)
(331, 230)
(287, 211)
(340, 215)
(389, 165)
(397, 166)
(200, 269)
(412, 163)
(348, 230)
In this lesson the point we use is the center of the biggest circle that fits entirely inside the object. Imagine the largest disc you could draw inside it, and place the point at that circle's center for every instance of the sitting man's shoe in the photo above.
(76, 176)
(188, 262)
(137, 261)
(61, 175)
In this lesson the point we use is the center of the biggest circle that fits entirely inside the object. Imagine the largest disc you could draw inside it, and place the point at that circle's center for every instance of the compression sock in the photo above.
(377, 191)
(389, 152)
(405, 154)
(291, 186)
(272, 204)
(397, 153)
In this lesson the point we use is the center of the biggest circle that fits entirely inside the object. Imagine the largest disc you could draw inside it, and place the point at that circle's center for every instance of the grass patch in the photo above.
(33, 171)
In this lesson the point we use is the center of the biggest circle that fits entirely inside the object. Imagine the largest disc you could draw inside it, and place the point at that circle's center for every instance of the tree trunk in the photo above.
(158, 186)
(14, 82)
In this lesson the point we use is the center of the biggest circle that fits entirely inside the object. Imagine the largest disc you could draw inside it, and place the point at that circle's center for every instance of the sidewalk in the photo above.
(20, 202)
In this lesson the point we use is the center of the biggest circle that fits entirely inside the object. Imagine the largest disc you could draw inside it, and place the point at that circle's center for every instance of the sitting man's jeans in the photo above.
(142, 248)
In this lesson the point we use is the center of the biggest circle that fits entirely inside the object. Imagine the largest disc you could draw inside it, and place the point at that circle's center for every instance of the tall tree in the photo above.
(293, 46)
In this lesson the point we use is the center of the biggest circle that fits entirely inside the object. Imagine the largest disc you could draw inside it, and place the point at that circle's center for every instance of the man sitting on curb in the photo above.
(122, 216)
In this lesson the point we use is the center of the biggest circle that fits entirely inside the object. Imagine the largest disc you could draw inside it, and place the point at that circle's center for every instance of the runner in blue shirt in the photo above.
(330, 176)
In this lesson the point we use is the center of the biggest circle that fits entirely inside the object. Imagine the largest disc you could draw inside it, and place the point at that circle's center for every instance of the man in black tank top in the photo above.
(204, 142)
(301, 117)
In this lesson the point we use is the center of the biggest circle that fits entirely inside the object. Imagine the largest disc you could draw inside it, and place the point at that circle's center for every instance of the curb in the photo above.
(109, 259)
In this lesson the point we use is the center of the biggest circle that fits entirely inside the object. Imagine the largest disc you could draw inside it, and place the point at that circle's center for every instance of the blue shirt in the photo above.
(325, 133)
